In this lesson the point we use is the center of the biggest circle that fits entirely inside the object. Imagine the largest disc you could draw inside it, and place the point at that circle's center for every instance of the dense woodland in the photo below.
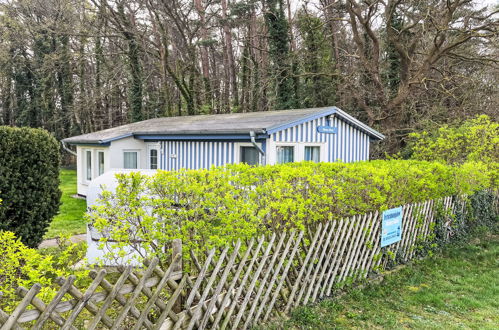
(75, 66)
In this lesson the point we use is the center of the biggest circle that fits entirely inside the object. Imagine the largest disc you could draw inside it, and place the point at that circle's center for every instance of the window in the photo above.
(249, 155)
(100, 159)
(313, 153)
(88, 165)
(285, 154)
(153, 159)
(130, 159)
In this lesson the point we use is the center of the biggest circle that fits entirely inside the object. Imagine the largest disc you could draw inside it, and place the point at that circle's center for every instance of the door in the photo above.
(153, 156)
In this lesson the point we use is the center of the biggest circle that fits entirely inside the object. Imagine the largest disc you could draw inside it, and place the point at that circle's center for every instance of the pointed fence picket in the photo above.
(239, 286)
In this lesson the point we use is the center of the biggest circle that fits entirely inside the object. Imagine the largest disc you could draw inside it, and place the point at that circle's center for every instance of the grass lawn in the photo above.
(70, 217)
(456, 289)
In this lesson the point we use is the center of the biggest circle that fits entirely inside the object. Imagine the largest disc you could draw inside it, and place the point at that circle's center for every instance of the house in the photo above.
(271, 137)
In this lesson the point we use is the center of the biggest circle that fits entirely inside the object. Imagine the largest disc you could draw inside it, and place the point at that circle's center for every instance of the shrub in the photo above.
(208, 208)
(23, 266)
(474, 140)
(29, 182)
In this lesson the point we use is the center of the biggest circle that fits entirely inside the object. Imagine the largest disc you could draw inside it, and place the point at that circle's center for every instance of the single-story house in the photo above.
(271, 137)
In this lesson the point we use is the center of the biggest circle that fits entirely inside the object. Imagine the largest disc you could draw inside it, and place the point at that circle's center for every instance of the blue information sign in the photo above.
(327, 129)
(391, 226)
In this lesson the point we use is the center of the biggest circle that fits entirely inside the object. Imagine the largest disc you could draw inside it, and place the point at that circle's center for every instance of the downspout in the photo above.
(260, 150)
(67, 149)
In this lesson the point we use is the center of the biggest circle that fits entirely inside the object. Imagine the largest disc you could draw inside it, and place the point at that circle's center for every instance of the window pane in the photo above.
(249, 155)
(89, 164)
(313, 154)
(285, 154)
(101, 162)
(153, 159)
(130, 159)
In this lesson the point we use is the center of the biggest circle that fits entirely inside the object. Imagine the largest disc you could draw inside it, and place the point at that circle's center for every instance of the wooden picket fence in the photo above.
(241, 285)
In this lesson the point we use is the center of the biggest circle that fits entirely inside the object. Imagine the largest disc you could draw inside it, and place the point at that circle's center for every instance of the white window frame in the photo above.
(299, 153)
(323, 150)
(296, 151)
(85, 165)
(237, 151)
(138, 157)
(151, 146)
(97, 167)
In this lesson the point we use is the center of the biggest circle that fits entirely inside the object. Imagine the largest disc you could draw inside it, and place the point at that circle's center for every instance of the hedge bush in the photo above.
(476, 139)
(23, 266)
(29, 182)
(207, 208)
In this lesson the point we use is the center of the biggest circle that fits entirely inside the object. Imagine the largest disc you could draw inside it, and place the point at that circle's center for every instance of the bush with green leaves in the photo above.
(475, 140)
(209, 208)
(29, 182)
(23, 266)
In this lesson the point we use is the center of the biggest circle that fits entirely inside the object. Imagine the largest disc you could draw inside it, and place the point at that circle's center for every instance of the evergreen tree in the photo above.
(278, 38)
(317, 66)
(393, 58)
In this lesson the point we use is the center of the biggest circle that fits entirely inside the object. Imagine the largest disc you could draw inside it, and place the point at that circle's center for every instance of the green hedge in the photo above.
(476, 139)
(211, 207)
(23, 266)
(29, 182)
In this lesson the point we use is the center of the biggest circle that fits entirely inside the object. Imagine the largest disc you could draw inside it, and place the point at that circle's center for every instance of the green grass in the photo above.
(454, 290)
(70, 217)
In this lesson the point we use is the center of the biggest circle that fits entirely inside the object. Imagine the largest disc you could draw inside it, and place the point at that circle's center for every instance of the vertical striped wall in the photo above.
(348, 144)
(195, 154)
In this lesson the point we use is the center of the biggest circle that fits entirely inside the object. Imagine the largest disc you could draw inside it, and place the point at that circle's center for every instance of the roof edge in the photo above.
(367, 129)
(74, 140)
(280, 127)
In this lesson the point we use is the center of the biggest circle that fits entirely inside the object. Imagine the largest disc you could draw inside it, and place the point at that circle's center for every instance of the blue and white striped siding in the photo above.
(347, 145)
(195, 154)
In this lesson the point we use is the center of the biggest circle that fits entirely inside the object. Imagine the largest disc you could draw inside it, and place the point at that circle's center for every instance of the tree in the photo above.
(79, 66)
(277, 27)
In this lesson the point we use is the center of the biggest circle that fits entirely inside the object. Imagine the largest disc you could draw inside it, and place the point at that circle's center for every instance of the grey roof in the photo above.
(234, 123)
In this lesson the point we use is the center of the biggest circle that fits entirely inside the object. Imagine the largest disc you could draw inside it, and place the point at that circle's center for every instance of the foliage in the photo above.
(393, 64)
(23, 266)
(317, 68)
(70, 218)
(29, 182)
(278, 27)
(207, 208)
(475, 140)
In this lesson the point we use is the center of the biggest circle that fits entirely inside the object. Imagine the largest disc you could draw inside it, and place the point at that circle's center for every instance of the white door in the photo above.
(153, 156)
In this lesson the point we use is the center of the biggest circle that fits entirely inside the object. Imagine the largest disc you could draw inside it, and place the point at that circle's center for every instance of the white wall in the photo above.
(128, 144)
(81, 165)
(113, 159)
(299, 153)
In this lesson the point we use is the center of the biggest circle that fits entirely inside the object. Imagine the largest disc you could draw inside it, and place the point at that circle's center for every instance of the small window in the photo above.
(313, 153)
(130, 159)
(285, 154)
(88, 158)
(100, 156)
(250, 156)
(153, 159)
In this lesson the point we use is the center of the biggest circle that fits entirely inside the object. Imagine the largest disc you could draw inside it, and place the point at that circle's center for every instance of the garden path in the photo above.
(53, 241)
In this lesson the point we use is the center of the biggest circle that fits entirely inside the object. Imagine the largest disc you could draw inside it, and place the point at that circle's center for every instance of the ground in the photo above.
(458, 288)
(70, 218)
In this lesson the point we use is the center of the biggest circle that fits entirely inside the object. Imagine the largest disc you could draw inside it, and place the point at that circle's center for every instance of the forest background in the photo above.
(76, 66)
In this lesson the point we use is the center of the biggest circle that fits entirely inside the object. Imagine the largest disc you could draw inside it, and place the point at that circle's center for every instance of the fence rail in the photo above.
(240, 285)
